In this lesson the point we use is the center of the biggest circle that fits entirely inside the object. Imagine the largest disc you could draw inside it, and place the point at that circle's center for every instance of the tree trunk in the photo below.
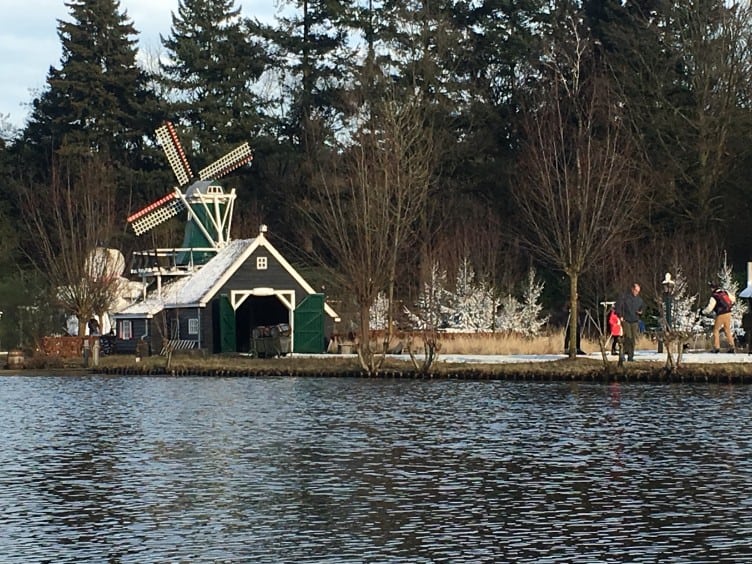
(365, 355)
(573, 309)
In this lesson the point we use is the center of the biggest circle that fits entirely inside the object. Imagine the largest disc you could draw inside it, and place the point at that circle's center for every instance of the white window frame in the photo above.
(126, 330)
(262, 263)
(193, 326)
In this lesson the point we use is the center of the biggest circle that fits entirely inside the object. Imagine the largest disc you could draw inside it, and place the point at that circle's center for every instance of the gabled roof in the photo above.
(198, 289)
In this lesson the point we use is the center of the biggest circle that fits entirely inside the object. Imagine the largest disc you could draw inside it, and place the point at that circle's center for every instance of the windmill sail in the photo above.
(157, 212)
(173, 150)
(209, 208)
(232, 160)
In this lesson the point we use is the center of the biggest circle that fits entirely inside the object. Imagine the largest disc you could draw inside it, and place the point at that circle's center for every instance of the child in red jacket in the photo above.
(614, 328)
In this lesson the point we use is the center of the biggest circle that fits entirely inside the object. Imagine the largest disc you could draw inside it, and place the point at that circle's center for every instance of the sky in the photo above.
(29, 44)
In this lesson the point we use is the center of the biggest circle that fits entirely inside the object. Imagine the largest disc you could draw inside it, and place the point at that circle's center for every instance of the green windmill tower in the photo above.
(209, 208)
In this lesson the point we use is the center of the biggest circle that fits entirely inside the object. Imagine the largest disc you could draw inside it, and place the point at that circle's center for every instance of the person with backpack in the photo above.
(720, 303)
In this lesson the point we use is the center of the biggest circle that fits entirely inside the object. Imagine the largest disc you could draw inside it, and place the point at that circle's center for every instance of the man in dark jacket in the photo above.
(629, 308)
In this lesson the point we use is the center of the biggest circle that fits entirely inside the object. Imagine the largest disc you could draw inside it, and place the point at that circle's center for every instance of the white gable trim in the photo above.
(262, 241)
(229, 272)
(287, 297)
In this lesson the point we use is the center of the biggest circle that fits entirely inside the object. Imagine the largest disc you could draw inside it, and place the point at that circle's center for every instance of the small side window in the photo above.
(260, 263)
(126, 330)
(193, 326)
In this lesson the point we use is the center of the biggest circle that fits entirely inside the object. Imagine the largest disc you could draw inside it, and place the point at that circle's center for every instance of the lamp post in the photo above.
(668, 300)
(668, 306)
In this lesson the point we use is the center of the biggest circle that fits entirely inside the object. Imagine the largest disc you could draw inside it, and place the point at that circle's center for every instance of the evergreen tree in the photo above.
(683, 69)
(531, 315)
(9, 236)
(380, 312)
(684, 316)
(310, 67)
(97, 100)
(96, 103)
(311, 51)
(209, 76)
(523, 317)
(509, 315)
(430, 308)
(728, 282)
(471, 305)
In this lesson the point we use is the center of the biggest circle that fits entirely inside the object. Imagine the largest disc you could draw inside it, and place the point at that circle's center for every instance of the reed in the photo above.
(504, 343)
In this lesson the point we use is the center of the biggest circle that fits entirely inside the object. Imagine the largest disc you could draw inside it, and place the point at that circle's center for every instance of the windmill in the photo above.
(209, 207)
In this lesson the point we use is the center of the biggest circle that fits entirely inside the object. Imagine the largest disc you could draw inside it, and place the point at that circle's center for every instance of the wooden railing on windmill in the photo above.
(209, 211)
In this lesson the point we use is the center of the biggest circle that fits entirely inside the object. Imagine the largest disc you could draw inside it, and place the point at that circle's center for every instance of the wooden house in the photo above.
(217, 305)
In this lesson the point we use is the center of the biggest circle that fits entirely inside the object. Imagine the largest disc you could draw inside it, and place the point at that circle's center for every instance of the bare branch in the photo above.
(69, 221)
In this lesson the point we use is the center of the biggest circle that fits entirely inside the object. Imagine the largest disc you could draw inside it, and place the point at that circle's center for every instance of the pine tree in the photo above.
(471, 305)
(311, 64)
(430, 310)
(683, 306)
(510, 315)
(312, 56)
(532, 321)
(97, 100)
(728, 283)
(523, 316)
(212, 66)
(380, 312)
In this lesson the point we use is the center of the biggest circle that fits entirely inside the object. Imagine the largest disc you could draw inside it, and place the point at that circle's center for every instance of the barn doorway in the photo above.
(256, 311)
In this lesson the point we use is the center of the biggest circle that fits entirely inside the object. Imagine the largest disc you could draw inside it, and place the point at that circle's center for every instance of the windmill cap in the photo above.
(667, 279)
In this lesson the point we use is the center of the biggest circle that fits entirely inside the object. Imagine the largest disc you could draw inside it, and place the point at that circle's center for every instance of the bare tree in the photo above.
(577, 189)
(366, 207)
(68, 220)
(713, 41)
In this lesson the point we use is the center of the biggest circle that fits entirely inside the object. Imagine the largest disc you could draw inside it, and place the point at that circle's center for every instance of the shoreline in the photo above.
(648, 367)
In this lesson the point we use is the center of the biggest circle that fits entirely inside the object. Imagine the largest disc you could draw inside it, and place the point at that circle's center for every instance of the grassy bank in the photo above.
(581, 369)
(332, 366)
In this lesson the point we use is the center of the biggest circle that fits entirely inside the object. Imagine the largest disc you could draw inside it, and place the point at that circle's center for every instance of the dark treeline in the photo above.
(600, 141)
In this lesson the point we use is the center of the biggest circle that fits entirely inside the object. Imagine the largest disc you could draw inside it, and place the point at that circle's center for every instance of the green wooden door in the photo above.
(308, 320)
(227, 334)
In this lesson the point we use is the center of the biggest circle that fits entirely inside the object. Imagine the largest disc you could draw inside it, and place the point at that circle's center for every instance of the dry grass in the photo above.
(327, 365)
(475, 344)
(498, 343)
(232, 362)
(192, 363)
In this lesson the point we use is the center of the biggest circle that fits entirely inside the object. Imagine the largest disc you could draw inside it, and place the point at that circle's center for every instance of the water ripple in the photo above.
(121, 469)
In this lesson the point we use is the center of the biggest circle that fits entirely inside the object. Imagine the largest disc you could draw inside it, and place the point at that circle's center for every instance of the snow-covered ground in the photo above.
(690, 357)
(703, 357)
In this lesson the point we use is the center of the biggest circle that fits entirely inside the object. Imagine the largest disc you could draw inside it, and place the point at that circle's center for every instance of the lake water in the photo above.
(152, 469)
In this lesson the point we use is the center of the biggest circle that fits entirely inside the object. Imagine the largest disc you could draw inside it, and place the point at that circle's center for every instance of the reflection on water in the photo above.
(124, 469)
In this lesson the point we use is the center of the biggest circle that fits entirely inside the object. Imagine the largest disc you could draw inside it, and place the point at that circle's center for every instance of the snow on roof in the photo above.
(198, 288)
(192, 289)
